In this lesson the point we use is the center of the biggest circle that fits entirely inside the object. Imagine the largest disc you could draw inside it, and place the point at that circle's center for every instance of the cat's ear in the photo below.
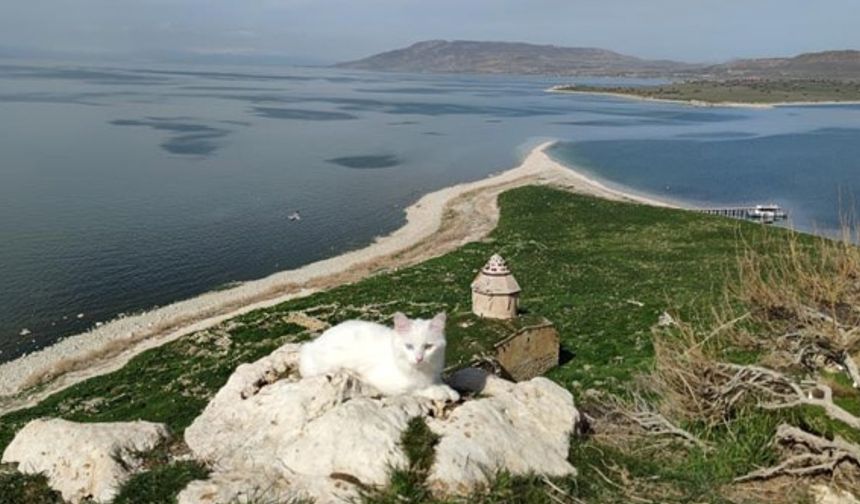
(402, 323)
(438, 322)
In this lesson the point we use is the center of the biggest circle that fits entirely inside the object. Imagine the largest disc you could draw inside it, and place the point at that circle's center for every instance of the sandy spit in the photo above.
(701, 103)
(436, 224)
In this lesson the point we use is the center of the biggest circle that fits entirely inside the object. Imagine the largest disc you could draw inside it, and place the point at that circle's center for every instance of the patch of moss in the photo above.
(161, 484)
(17, 488)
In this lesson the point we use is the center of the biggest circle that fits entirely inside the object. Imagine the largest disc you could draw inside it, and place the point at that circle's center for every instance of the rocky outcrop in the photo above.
(83, 460)
(269, 434)
(520, 427)
(266, 431)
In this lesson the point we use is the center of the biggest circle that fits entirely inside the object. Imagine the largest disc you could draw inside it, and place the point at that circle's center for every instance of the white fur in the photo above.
(406, 359)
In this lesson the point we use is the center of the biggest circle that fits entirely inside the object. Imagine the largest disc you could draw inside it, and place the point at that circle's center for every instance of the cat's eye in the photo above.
(409, 346)
(428, 346)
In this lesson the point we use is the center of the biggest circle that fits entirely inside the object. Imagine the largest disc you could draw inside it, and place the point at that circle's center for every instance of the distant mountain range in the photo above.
(828, 64)
(461, 56)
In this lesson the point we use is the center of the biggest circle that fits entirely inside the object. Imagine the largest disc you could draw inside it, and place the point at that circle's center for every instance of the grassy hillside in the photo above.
(601, 271)
(739, 91)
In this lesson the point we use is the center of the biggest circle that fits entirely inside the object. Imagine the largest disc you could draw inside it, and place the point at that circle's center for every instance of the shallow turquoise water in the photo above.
(814, 174)
(126, 188)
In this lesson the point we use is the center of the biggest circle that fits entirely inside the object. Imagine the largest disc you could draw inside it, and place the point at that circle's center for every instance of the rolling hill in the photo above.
(461, 56)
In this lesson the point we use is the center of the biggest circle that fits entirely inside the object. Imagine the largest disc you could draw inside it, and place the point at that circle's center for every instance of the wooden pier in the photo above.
(759, 213)
(733, 212)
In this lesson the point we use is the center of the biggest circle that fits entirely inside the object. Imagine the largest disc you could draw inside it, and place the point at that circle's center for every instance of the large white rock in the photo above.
(267, 434)
(83, 460)
(521, 428)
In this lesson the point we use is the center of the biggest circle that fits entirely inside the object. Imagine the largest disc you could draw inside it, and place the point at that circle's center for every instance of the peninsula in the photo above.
(734, 92)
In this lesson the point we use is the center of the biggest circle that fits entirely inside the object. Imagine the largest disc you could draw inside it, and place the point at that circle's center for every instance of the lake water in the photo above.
(126, 188)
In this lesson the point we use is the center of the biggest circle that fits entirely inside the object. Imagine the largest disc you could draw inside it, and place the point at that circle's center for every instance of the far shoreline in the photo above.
(702, 103)
(437, 223)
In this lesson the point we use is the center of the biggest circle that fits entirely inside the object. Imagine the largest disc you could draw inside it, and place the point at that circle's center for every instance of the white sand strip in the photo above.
(701, 103)
(436, 224)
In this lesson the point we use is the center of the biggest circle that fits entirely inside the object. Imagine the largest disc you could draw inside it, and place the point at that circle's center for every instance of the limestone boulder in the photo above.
(518, 427)
(83, 460)
(268, 434)
(296, 434)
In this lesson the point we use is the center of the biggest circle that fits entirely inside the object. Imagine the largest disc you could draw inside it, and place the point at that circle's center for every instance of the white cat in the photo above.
(407, 359)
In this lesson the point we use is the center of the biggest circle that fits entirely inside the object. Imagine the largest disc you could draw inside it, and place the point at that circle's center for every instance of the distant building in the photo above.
(495, 291)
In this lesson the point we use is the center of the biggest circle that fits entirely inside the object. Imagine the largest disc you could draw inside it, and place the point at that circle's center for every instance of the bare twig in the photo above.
(567, 497)
(851, 368)
(821, 456)
(626, 491)
(655, 423)
(821, 396)
(639, 412)
(718, 330)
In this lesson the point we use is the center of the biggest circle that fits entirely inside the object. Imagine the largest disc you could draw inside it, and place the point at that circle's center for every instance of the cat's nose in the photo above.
(419, 358)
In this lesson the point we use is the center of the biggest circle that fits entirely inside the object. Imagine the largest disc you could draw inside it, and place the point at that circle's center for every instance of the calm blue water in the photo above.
(126, 188)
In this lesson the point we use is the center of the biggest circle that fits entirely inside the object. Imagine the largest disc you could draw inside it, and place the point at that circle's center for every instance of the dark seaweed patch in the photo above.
(718, 135)
(366, 162)
(79, 74)
(407, 90)
(188, 139)
(302, 114)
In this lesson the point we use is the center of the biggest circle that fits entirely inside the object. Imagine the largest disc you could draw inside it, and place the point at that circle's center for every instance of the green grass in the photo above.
(601, 271)
(161, 484)
(408, 484)
(17, 488)
(740, 90)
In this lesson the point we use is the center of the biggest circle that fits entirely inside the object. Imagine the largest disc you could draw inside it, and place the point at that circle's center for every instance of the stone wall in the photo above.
(529, 352)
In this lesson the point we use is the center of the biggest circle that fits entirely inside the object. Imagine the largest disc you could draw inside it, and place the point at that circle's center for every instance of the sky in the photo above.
(327, 31)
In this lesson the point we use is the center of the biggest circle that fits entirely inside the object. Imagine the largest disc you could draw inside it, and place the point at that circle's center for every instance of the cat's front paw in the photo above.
(440, 393)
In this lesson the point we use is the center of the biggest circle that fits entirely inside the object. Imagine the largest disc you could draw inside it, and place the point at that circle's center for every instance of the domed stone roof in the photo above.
(495, 278)
(496, 266)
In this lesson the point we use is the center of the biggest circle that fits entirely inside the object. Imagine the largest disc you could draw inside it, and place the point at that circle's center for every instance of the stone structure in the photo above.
(529, 352)
(495, 291)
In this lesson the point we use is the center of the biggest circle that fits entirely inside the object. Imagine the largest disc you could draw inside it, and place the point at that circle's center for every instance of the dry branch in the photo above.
(640, 413)
(821, 396)
(818, 455)
(695, 386)
(653, 422)
(777, 391)
(851, 368)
